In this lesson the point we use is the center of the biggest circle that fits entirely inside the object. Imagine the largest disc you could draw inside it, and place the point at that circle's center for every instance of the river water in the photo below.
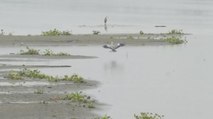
(175, 81)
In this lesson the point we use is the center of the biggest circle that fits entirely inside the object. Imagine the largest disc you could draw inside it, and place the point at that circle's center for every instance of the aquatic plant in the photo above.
(75, 78)
(80, 98)
(90, 105)
(147, 115)
(76, 97)
(66, 33)
(39, 91)
(36, 74)
(174, 40)
(29, 51)
(55, 32)
(46, 52)
(141, 33)
(14, 75)
(175, 31)
(104, 117)
(32, 74)
(96, 32)
(49, 52)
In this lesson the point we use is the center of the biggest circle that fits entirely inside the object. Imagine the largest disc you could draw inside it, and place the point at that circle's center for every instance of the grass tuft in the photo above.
(39, 91)
(55, 32)
(174, 40)
(175, 31)
(104, 117)
(14, 75)
(47, 52)
(75, 78)
(29, 51)
(36, 74)
(79, 97)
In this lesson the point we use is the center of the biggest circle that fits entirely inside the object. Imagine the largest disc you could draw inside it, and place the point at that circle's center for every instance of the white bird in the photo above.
(113, 46)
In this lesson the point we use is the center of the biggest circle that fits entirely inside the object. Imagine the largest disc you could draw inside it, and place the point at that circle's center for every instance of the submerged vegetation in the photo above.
(55, 32)
(47, 52)
(147, 115)
(36, 74)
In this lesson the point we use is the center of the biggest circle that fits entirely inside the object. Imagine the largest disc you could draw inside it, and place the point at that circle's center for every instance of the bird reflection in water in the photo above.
(113, 66)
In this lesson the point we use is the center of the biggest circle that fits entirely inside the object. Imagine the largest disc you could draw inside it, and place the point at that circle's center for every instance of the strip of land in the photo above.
(128, 39)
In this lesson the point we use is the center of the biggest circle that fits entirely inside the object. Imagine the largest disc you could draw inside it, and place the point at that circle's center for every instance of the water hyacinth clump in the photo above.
(175, 31)
(49, 52)
(39, 91)
(75, 78)
(80, 98)
(29, 51)
(36, 74)
(55, 32)
(46, 52)
(14, 75)
(104, 117)
(174, 40)
(76, 97)
(147, 115)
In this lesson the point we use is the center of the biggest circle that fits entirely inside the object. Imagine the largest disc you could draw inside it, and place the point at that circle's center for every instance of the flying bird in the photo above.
(113, 46)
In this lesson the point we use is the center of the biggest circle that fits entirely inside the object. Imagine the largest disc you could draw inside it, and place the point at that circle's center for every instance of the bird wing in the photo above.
(119, 45)
(106, 46)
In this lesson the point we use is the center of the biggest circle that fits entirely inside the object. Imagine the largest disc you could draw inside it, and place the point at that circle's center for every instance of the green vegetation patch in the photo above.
(56, 32)
(80, 98)
(36, 74)
(29, 51)
(14, 75)
(147, 115)
(104, 117)
(175, 31)
(174, 40)
(75, 78)
(39, 91)
(47, 52)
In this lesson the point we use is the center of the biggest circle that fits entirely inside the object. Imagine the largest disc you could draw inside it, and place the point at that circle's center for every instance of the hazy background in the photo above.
(34, 16)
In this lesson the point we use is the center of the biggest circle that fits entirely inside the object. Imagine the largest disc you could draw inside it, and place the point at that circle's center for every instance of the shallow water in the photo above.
(125, 16)
(172, 80)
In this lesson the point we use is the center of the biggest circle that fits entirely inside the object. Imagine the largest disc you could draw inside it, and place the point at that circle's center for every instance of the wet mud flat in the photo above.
(38, 98)
(20, 100)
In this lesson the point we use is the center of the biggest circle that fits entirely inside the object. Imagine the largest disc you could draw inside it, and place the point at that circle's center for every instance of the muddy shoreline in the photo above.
(72, 40)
